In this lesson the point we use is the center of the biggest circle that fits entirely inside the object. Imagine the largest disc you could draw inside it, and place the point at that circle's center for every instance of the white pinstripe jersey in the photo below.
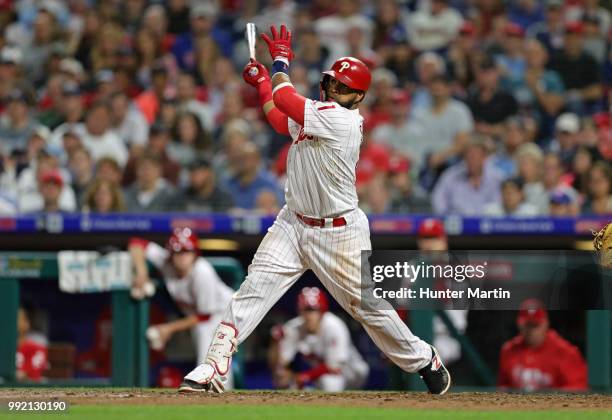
(331, 345)
(322, 159)
(200, 292)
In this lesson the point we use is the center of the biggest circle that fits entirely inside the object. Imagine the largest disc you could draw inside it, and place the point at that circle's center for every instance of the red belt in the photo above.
(203, 317)
(325, 222)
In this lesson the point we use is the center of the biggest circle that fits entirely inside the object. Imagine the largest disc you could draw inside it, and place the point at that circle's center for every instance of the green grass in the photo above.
(226, 412)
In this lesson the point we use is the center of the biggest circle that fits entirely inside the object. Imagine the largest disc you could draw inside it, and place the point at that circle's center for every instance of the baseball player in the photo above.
(31, 358)
(192, 283)
(321, 227)
(539, 358)
(321, 340)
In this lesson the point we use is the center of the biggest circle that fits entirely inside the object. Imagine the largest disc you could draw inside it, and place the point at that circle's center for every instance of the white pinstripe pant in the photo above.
(334, 254)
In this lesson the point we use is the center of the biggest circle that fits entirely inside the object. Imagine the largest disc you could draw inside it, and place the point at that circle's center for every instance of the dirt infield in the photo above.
(452, 401)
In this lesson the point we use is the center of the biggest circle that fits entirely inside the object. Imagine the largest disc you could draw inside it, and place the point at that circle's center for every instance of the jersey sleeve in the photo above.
(278, 121)
(326, 120)
(156, 254)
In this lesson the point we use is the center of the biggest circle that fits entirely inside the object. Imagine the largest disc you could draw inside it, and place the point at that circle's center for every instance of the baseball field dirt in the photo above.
(154, 404)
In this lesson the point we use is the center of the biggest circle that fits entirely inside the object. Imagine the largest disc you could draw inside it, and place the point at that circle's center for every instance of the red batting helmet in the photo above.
(351, 72)
(182, 239)
(312, 298)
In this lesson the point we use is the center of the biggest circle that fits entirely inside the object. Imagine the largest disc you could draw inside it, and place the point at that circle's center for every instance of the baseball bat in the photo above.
(251, 33)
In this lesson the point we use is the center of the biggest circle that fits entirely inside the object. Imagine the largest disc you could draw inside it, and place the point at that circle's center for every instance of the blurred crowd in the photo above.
(477, 107)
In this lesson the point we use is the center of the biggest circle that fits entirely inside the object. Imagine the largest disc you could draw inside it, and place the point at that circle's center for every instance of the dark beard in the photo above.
(346, 104)
(325, 89)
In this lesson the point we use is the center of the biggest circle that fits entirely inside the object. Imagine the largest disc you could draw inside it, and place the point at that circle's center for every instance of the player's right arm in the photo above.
(136, 248)
(284, 95)
(256, 75)
(142, 250)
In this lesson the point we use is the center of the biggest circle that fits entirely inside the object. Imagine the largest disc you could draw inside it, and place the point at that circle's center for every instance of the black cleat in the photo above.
(435, 375)
(189, 386)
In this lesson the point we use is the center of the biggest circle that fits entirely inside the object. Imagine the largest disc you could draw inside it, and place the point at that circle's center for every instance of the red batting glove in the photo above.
(256, 75)
(280, 45)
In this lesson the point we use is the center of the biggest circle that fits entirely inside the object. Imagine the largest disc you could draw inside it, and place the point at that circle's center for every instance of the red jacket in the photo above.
(556, 364)
(31, 359)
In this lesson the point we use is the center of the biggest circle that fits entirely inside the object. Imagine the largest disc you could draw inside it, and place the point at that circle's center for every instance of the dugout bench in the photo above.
(130, 318)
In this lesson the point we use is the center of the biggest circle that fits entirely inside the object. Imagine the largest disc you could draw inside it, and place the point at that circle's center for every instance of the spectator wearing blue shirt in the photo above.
(565, 142)
(511, 61)
(202, 25)
(250, 179)
(514, 135)
(551, 30)
(541, 90)
(526, 13)
(469, 186)
(513, 202)
(17, 124)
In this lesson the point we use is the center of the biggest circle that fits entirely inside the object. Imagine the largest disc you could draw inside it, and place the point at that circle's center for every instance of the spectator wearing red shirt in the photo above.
(539, 358)
(31, 356)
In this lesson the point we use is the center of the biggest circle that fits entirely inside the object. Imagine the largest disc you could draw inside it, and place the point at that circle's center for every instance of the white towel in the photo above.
(90, 272)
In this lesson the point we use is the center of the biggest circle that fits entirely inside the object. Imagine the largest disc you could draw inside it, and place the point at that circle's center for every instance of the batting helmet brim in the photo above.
(343, 78)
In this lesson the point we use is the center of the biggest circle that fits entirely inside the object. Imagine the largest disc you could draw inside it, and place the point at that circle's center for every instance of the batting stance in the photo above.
(322, 342)
(191, 281)
(321, 227)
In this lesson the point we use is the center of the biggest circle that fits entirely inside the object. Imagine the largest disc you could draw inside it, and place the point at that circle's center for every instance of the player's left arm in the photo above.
(284, 95)
(573, 372)
(256, 75)
(181, 324)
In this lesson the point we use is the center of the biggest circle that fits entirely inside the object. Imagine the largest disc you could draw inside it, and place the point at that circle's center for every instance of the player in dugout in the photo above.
(191, 281)
(320, 343)
(539, 358)
(31, 358)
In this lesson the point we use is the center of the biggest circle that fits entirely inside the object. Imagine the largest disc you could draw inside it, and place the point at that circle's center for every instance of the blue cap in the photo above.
(560, 197)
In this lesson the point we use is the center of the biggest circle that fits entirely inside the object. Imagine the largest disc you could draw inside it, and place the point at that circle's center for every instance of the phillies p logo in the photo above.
(343, 66)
